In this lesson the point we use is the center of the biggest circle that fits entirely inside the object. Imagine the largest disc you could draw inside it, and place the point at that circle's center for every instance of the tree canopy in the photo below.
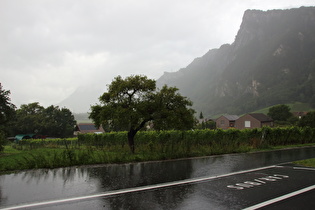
(7, 109)
(7, 112)
(132, 102)
(308, 120)
(51, 121)
(280, 112)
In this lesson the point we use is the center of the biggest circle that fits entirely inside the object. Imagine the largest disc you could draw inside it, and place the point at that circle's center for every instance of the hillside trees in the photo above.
(272, 65)
(7, 112)
(7, 109)
(52, 121)
(280, 112)
(29, 118)
(308, 120)
(132, 102)
(58, 122)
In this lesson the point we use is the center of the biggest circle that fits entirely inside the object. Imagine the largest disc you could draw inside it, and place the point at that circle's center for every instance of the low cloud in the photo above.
(51, 49)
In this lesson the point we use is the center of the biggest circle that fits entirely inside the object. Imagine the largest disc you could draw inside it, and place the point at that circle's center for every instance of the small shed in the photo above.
(29, 136)
(253, 120)
(82, 128)
(299, 114)
(23, 136)
(226, 121)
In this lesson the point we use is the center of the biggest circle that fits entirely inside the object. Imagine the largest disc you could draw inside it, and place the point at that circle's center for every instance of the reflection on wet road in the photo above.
(44, 185)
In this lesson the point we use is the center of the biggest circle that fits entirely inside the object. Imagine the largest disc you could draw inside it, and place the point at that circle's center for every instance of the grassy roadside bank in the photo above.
(14, 160)
(307, 162)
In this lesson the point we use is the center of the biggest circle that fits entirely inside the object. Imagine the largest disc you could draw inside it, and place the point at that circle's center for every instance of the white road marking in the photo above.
(266, 203)
(129, 190)
(303, 168)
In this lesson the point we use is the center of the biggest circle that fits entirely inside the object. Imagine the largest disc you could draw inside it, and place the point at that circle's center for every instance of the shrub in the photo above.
(2, 141)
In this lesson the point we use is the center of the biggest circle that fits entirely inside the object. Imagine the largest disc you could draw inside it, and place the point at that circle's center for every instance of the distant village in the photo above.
(248, 121)
(224, 122)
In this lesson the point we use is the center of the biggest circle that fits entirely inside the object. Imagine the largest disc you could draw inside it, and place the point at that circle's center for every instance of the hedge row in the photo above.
(190, 142)
(38, 143)
(250, 137)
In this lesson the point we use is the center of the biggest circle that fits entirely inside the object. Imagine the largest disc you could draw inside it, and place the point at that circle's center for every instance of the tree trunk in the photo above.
(131, 142)
(132, 132)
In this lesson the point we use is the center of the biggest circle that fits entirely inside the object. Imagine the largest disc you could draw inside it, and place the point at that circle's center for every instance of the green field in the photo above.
(295, 107)
(307, 163)
(150, 146)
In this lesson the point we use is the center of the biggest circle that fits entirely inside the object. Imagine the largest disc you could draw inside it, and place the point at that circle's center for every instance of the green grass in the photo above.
(307, 162)
(295, 107)
(9, 150)
(13, 160)
(150, 146)
(59, 157)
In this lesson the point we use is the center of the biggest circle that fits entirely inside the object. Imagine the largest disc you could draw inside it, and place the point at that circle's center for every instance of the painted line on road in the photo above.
(266, 203)
(304, 168)
(130, 190)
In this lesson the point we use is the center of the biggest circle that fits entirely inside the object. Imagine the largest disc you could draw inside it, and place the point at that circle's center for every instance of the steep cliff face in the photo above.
(271, 61)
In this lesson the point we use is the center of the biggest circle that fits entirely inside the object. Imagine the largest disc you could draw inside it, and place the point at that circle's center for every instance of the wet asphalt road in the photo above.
(222, 182)
(274, 187)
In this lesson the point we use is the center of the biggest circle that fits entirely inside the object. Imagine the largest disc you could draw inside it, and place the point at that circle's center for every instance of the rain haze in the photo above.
(66, 52)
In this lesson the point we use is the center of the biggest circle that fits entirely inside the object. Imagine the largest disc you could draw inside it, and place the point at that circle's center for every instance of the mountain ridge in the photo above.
(271, 61)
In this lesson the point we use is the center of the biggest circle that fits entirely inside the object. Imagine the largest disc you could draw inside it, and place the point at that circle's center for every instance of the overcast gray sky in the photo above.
(50, 48)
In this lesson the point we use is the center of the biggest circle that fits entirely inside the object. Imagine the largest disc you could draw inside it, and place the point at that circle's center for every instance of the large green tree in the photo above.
(7, 112)
(308, 120)
(52, 121)
(58, 122)
(280, 112)
(29, 118)
(7, 109)
(132, 102)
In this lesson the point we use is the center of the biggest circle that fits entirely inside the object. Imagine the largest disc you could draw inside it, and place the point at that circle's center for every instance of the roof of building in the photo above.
(24, 136)
(87, 127)
(231, 117)
(261, 117)
(298, 114)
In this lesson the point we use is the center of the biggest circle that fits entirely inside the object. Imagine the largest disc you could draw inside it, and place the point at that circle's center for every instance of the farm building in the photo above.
(82, 128)
(226, 121)
(253, 120)
(29, 136)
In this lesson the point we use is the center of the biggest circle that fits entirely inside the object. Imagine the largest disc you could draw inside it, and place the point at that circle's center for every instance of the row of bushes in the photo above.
(251, 137)
(39, 143)
(150, 145)
(188, 142)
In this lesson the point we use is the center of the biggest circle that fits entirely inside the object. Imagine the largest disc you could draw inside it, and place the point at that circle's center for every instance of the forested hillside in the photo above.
(271, 61)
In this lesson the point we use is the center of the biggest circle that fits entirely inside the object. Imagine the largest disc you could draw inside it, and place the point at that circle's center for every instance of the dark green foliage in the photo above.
(206, 124)
(308, 120)
(58, 122)
(151, 145)
(280, 112)
(29, 118)
(7, 113)
(7, 109)
(201, 116)
(189, 142)
(133, 102)
(171, 110)
(52, 121)
(2, 141)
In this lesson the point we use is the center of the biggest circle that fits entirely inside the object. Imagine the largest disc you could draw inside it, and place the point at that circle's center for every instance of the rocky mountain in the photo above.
(271, 61)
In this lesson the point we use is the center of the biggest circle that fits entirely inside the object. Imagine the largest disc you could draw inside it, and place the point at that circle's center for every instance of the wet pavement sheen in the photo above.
(45, 185)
